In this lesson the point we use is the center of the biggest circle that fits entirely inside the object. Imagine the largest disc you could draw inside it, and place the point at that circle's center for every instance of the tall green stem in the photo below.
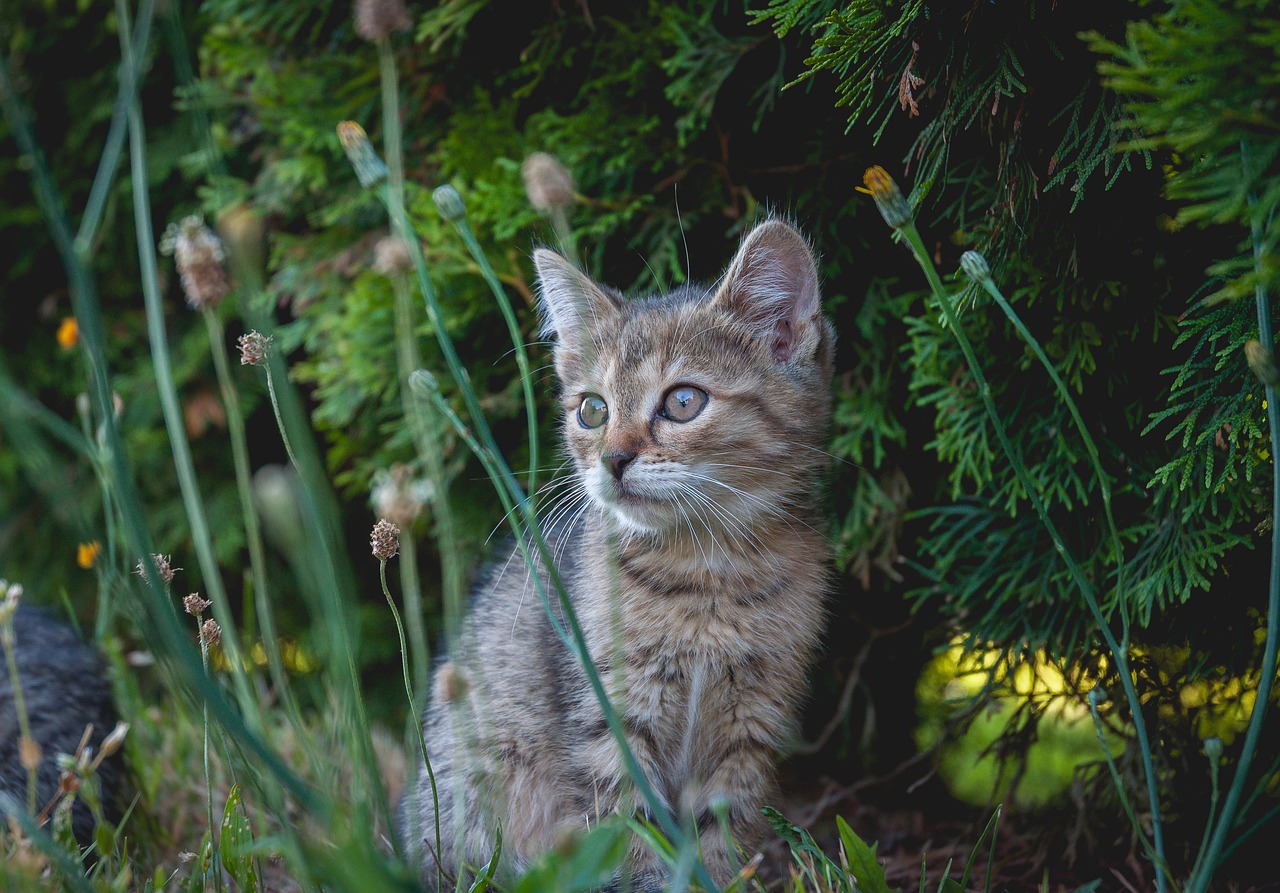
(1119, 652)
(1262, 702)
(413, 707)
(181, 449)
(517, 340)
(252, 529)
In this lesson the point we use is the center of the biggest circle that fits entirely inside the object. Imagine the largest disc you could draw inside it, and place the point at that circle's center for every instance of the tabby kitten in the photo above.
(691, 547)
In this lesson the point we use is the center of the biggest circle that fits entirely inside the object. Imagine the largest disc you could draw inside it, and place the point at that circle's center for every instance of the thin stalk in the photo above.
(20, 707)
(214, 855)
(1104, 481)
(517, 340)
(1262, 701)
(407, 360)
(1116, 780)
(193, 502)
(1215, 764)
(275, 408)
(337, 627)
(1119, 652)
(252, 529)
(412, 590)
(413, 708)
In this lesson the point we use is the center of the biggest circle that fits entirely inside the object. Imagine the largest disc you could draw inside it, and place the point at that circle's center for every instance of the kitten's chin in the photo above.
(631, 513)
(637, 516)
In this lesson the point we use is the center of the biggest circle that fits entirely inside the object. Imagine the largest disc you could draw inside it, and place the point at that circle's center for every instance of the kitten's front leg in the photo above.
(606, 787)
(740, 785)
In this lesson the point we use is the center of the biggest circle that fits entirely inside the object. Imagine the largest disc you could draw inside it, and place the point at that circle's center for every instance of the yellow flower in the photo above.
(87, 553)
(68, 333)
(880, 186)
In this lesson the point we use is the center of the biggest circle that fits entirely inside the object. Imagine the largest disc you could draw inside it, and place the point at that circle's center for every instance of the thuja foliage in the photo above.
(1121, 185)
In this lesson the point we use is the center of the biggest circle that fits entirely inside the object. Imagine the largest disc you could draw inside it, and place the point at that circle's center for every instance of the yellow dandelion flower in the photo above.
(87, 553)
(68, 333)
(889, 199)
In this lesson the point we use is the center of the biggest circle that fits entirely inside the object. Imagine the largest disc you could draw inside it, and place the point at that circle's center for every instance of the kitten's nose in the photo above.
(618, 462)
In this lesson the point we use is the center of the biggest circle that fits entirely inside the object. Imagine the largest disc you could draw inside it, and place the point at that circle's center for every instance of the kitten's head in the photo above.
(702, 409)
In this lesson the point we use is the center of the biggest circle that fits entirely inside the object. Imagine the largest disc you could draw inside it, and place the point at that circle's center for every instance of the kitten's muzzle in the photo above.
(618, 460)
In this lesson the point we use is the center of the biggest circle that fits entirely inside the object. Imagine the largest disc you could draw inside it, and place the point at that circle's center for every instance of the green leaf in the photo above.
(236, 842)
(866, 869)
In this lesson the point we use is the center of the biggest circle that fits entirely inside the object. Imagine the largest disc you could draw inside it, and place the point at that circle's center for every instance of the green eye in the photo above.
(682, 404)
(593, 411)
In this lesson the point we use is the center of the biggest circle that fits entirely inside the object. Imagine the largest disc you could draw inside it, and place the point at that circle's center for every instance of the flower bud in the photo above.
(888, 197)
(975, 267)
(399, 497)
(547, 182)
(355, 142)
(449, 203)
(244, 235)
(391, 256)
(1213, 748)
(113, 742)
(1263, 363)
(376, 19)
(423, 383)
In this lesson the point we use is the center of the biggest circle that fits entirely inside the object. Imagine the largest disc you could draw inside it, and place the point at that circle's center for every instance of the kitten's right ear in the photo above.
(573, 306)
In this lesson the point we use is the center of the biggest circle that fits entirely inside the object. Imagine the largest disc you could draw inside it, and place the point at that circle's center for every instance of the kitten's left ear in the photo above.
(772, 286)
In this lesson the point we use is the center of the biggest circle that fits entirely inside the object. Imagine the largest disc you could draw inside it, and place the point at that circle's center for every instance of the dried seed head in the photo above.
(198, 254)
(378, 19)
(888, 197)
(385, 539)
(1262, 362)
(210, 632)
(254, 349)
(449, 202)
(391, 256)
(398, 496)
(195, 605)
(547, 182)
(163, 569)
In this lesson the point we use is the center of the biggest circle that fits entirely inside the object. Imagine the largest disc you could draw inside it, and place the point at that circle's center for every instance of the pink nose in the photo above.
(618, 462)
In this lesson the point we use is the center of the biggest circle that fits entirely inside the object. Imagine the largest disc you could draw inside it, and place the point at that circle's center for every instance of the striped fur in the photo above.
(697, 573)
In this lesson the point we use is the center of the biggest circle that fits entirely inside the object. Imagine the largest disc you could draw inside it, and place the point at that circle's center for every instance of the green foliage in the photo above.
(1106, 206)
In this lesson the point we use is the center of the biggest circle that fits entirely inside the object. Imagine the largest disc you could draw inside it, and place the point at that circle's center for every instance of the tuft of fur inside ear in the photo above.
(573, 306)
(772, 286)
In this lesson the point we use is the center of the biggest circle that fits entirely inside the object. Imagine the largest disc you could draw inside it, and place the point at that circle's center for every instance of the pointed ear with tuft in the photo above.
(573, 306)
(772, 286)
